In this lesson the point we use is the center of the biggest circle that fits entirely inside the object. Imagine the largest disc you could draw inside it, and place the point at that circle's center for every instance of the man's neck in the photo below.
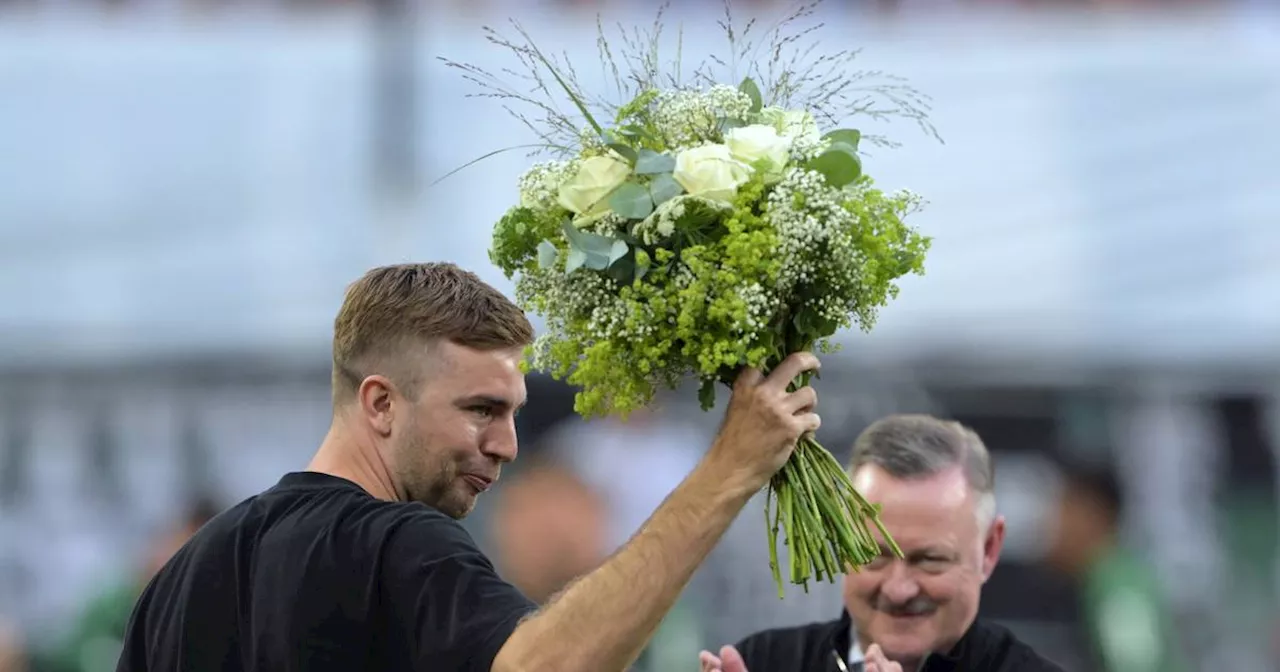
(343, 455)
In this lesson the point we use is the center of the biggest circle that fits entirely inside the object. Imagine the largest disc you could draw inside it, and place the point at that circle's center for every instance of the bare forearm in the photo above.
(603, 620)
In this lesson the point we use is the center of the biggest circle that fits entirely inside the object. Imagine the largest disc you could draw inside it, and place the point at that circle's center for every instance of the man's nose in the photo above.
(501, 443)
(900, 586)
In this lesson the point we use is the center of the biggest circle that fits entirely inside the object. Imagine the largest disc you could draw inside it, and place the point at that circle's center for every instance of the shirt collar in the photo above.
(856, 657)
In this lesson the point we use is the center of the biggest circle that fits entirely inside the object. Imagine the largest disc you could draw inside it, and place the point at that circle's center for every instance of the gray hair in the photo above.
(912, 447)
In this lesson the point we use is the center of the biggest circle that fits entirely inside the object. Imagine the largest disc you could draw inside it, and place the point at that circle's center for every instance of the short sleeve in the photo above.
(457, 612)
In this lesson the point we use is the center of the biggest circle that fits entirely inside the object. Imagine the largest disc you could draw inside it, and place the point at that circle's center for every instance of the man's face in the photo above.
(452, 443)
(926, 601)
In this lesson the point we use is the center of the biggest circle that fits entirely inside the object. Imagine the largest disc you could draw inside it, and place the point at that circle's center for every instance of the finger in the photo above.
(793, 366)
(802, 400)
(709, 662)
(807, 423)
(875, 659)
(747, 378)
(733, 661)
(878, 662)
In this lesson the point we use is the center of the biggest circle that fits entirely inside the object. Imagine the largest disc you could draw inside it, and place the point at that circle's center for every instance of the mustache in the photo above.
(916, 606)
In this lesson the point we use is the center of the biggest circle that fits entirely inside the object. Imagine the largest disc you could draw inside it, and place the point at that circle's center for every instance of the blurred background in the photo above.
(186, 187)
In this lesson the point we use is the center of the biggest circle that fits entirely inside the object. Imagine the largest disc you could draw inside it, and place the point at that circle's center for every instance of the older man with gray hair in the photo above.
(936, 482)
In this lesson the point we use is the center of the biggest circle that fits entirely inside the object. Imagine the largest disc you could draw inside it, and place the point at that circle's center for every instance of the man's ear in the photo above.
(992, 546)
(374, 398)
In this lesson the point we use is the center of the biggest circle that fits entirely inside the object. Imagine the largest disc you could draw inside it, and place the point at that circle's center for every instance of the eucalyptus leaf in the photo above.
(726, 124)
(576, 259)
(847, 136)
(586, 241)
(664, 188)
(618, 251)
(628, 238)
(595, 250)
(622, 271)
(547, 254)
(649, 162)
(624, 151)
(631, 200)
(749, 87)
(839, 164)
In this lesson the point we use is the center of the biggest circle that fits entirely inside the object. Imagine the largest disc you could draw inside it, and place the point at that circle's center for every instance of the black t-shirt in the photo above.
(315, 574)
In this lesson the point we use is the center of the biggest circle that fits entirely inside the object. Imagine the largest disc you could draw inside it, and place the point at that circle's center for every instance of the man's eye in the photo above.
(483, 411)
(934, 564)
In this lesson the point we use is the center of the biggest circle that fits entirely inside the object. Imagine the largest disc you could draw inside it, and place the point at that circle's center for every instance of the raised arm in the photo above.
(602, 621)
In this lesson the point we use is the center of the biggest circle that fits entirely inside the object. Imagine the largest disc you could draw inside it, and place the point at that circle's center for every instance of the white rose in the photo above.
(710, 171)
(759, 142)
(795, 124)
(597, 177)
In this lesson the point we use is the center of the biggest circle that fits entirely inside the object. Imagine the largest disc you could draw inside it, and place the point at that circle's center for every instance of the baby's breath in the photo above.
(540, 184)
(690, 117)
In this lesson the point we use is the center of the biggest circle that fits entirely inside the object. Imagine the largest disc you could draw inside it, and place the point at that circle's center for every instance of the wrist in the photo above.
(729, 477)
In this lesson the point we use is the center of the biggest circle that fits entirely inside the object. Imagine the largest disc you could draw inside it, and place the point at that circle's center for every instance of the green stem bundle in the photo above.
(826, 521)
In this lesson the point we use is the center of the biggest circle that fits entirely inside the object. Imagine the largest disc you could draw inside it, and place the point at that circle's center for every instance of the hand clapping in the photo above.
(877, 662)
(728, 661)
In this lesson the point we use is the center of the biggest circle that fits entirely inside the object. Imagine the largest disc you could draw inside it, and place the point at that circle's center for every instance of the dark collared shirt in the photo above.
(823, 647)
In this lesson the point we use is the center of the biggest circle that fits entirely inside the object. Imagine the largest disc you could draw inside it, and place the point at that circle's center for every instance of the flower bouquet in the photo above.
(701, 227)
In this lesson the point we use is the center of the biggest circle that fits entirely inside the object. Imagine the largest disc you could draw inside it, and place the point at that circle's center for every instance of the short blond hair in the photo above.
(392, 309)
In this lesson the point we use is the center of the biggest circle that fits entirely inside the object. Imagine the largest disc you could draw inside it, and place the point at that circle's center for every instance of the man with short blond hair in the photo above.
(360, 563)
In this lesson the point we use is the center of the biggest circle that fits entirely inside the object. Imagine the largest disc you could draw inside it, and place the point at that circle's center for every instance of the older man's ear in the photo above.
(992, 546)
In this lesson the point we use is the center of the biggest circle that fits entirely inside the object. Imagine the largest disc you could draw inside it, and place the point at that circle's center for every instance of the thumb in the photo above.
(747, 378)
(732, 660)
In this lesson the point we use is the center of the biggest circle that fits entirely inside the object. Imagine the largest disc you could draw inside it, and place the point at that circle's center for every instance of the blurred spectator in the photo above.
(93, 644)
(12, 657)
(550, 525)
(609, 454)
(548, 528)
(1125, 614)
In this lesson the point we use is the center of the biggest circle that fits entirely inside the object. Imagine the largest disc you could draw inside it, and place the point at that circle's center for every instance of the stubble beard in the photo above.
(429, 480)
